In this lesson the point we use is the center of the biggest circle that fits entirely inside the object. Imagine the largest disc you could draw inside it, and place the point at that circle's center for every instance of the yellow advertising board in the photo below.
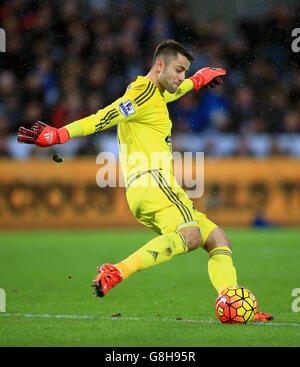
(239, 190)
(43, 194)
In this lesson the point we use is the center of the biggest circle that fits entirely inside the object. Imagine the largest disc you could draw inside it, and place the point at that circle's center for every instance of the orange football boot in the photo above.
(261, 316)
(109, 276)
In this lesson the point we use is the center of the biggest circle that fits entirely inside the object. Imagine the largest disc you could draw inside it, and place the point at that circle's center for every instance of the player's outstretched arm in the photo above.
(207, 78)
(44, 135)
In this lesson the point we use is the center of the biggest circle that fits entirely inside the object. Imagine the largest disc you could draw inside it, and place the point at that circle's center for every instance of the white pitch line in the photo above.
(93, 317)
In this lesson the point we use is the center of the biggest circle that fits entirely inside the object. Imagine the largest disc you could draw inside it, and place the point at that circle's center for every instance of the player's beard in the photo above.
(165, 81)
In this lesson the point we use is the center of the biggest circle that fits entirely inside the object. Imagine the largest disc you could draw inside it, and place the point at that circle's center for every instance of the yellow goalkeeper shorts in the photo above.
(158, 202)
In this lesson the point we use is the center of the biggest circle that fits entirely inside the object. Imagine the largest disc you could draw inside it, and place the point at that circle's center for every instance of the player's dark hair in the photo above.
(170, 49)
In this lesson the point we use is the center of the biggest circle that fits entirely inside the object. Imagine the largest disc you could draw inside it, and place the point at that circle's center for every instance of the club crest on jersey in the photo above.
(168, 139)
(127, 108)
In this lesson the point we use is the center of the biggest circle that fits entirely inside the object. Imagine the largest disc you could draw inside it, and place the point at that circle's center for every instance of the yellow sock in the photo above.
(221, 271)
(156, 251)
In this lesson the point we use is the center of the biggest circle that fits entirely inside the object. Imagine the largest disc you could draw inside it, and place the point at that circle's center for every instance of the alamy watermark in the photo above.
(188, 170)
(2, 300)
(296, 301)
(296, 42)
(2, 40)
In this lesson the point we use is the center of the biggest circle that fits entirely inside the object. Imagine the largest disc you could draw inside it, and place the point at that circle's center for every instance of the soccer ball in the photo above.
(236, 305)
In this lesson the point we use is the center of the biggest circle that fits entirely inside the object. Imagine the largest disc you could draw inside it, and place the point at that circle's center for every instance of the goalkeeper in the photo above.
(153, 195)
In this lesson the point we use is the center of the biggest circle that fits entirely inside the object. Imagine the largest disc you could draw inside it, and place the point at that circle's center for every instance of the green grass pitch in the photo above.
(49, 302)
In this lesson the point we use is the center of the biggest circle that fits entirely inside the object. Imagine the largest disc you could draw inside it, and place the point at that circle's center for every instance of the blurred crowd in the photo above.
(64, 60)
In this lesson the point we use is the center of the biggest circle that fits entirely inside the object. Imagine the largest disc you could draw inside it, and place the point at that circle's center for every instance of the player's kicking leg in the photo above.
(220, 266)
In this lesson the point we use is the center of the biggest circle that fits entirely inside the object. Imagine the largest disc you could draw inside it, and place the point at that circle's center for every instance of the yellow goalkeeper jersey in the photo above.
(144, 126)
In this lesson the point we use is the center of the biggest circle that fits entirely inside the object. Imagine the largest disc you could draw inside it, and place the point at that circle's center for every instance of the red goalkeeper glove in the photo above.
(207, 78)
(43, 135)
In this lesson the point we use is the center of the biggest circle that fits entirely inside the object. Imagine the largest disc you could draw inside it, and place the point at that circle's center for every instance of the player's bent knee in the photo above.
(217, 238)
(192, 237)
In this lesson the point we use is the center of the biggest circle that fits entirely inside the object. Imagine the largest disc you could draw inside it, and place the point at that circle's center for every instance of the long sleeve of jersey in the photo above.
(184, 87)
(102, 119)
